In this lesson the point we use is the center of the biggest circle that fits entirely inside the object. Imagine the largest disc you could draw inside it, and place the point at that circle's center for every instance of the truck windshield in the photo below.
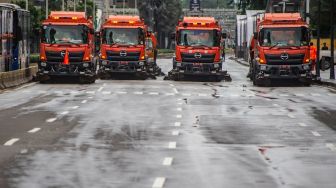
(124, 36)
(272, 37)
(52, 34)
(198, 38)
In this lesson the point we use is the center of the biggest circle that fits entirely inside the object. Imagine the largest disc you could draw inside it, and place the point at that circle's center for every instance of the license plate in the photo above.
(123, 63)
(284, 67)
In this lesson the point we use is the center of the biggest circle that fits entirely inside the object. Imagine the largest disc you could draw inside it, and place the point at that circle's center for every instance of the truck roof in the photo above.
(67, 18)
(124, 21)
(124, 18)
(283, 19)
(199, 22)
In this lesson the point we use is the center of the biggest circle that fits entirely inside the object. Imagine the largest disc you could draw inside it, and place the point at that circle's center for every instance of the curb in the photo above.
(238, 61)
(17, 77)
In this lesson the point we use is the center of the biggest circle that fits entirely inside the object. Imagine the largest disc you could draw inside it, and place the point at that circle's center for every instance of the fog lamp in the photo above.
(85, 64)
(263, 67)
(43, 64)
(104, 62)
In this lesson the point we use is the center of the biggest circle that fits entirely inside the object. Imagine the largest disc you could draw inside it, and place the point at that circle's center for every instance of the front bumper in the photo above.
(198, 68)
(284, 71)
(121, 67)
(72, 69)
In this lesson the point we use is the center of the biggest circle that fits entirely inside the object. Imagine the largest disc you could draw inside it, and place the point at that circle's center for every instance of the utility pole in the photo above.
(85, 6)
(332, 30)
(318, 40)
(27, 5)
(123, 7)
(47, 11)
(62, 5)
(74, 5)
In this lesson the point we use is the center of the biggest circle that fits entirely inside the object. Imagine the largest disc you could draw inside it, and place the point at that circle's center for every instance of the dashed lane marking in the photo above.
(167, 161)
(234, 95)
(331, 146)
(90, 97)
(153, 93)
(172, 85)
(315, 133)
(159, 182)
(291, 116)
(175, 90)
(179, 99)
(180, 103)
(84, 101)
(179, 109)
(316, 94)
(64, 113)
(186, 94)
(202, 95)
(175, 133)
(177, 124)
(303, 124)
(75, 107)
(50, 120)
(299, 94)
(11, 141)
(34, 130)
(284, 95)
(276, 105)
(90, 92)
(107, 92)
(138, 93)
(178, 116)
(172, 145)
(121, 92)
(170, 94)
(100, 89)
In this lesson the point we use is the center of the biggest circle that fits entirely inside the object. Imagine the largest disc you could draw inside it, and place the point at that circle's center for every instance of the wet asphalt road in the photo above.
(155, 133)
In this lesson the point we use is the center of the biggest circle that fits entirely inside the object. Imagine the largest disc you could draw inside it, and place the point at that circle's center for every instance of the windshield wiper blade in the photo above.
(274, 45)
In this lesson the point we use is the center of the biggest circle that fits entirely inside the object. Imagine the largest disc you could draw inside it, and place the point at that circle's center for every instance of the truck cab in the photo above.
(123, 46)
(67, 47)
(281, 49)
(198, 48)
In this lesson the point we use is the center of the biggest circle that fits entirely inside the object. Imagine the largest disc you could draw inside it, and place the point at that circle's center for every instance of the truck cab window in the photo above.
(65, 34)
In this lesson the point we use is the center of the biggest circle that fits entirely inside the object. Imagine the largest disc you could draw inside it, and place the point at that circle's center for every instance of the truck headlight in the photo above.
(263, 67)
(216, 65)
(141, 63)
(306, 67)
(104, 62)
(85, 64)
(178, 64)
(43, 64)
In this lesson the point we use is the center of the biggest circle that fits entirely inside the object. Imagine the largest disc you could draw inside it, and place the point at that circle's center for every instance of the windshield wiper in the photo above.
(274, 45)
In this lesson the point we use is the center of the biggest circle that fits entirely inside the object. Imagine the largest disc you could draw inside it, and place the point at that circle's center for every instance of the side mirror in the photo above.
(255, 35)
(172, 36)
(224, 35)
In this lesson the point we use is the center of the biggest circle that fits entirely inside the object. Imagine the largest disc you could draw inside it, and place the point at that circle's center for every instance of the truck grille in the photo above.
(293, 59)
(128, 56)
(205, 58)
(57, 57)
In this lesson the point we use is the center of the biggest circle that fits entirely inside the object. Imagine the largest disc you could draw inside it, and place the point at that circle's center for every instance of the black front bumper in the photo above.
(189, 68)
(106, 66)
(284, 71)
(72, 69)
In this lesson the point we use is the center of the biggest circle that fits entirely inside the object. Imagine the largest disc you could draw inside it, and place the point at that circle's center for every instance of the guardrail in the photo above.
(17, 77)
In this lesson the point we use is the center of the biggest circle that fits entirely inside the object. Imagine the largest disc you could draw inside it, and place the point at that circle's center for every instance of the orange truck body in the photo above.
(67, 46)
(151, 49)
(288, 57)
(123, 45)
(198, 47)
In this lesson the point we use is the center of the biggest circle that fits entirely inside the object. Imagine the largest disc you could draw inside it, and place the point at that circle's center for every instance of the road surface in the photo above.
(156, 133)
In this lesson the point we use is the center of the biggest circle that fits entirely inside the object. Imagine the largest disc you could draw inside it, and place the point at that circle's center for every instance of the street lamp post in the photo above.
(47, 6)
(26, 4)
(318, 39)
(62, 5)
(85, 6)
(332, 37)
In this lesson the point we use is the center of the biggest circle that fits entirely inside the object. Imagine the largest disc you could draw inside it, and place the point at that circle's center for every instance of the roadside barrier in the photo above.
(17, 77)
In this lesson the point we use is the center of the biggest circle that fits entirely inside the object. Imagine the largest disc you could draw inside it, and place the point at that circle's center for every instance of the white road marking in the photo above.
(175, 133)
(100, 89)
(186, 94)
(179, 109)
(331, 146)
(276, 105)
(299, 94)
(64, 113)
(316, 94)
(172, 145)
(84, 101)
(106, 92)
(284, 95)
(75, 107)
(90, 97)
(331, 94)
(121, 92)
(172, 85)
(291, 116)
(159, 182)
(24, 86)
(153, 93)
(34, 130)
(303, 124)
(234, 95)
(267, 99)
(90, 92)
(180, 103)
(50, 120)
(315, 133)
(202, 95)
(283, 110)
(177, 124)
(167, 161)
(170, 94)
(178, 116)
(179, 99)
(138, 93)
(175, 90)
(218, 95)
(11, 141)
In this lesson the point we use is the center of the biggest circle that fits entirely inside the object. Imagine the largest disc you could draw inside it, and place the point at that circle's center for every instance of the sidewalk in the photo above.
(324, 80)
